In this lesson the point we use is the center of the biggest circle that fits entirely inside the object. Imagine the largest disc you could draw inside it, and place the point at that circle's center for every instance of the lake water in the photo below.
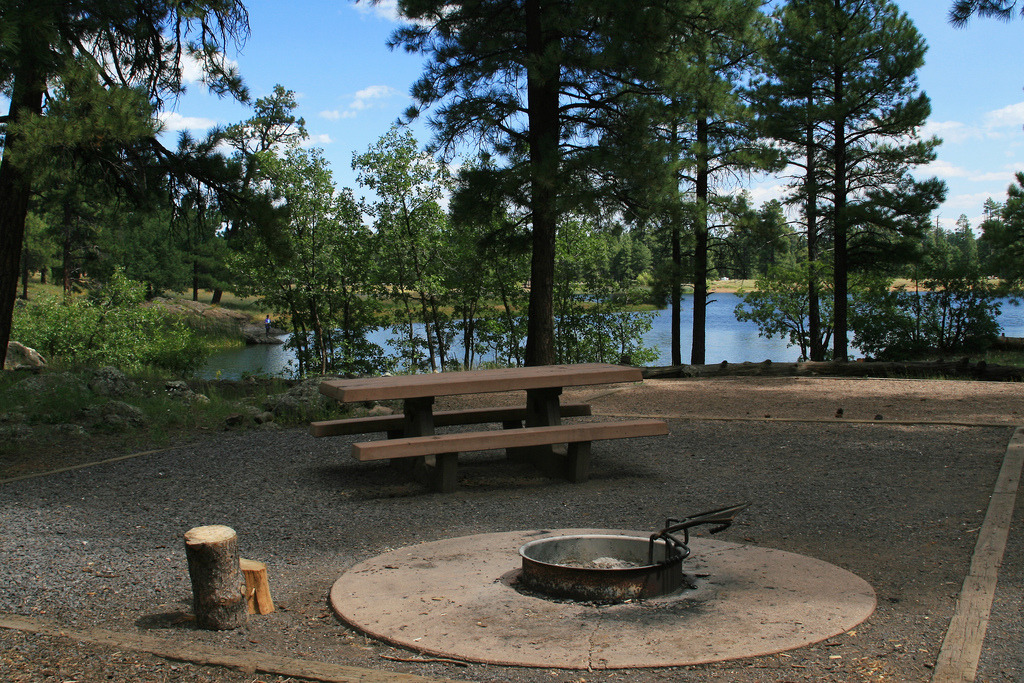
(727, 339)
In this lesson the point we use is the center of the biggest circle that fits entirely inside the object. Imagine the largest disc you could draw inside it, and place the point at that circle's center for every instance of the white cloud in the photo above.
(764, 192)
(1009, 116)
(172, 120)
(317, 140)
(384, 9)
(993, 126)
(375, 92)
(944, 169)
(950, 131)
(192, 69)
(365, 99)
(1005, 176)
(961, 203)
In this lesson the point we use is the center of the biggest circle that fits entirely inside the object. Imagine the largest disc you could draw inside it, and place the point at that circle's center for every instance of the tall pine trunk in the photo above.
(841, 276)
(544, 137)
(677, 270)
(700, 248)
(15, 191)
(677, 295)
(811, 214)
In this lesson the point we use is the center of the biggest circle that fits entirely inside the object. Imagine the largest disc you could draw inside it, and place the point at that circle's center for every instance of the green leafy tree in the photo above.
(956, 312)
(272, 126)
(786, 92)
(700, 124)
(493, 244)
(780, 307)
(991, 228)
(1003, 234)
(958, 316)
(759, 242)
(143, 244)
(110, 327)
(412, 232)
(316, 268)
(589, 328)
(39, 252)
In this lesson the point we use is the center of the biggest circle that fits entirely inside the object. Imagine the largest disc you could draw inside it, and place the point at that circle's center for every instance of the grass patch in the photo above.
(1012, 358)
(58, 418)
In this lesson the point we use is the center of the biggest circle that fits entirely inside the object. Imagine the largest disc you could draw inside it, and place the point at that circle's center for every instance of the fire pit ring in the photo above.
(601, 567)
(607, 568)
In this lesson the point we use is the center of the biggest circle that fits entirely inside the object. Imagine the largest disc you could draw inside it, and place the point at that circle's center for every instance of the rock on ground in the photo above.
(21, 357)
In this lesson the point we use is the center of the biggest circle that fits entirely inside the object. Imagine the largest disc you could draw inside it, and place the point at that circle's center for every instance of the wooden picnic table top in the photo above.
(476, 381)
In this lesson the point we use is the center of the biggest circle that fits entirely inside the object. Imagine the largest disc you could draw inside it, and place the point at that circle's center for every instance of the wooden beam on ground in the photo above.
(961, 650)
(903, 370)
(240, 660)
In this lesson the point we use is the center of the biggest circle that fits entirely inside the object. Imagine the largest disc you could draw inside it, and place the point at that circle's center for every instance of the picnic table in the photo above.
(532, 428)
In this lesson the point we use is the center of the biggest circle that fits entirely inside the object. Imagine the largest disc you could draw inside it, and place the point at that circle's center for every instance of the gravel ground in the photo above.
(898, 504)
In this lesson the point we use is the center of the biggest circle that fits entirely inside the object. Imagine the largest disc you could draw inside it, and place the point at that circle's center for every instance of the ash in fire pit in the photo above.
(607, 568)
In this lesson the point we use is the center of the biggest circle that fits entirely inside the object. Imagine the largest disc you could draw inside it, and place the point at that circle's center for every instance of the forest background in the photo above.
(607, 152)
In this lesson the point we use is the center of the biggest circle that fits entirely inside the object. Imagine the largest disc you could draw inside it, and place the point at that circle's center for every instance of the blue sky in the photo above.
(351, 88)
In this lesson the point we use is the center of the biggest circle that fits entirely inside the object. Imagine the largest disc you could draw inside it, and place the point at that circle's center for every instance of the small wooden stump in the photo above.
(257, 588)
(217, 597)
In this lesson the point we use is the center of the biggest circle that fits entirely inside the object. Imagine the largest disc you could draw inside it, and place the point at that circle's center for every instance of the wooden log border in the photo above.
(239, 660)
(961, 650)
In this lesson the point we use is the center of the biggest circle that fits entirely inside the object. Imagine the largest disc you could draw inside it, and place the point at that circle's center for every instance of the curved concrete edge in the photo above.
(451, 598)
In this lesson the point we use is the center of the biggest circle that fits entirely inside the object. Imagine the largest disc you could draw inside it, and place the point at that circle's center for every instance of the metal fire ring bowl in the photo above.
(601, 568)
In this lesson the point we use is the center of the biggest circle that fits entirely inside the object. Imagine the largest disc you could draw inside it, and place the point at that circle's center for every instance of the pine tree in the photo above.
(707, 135)
(539, 83)
(963, 10)
(138, 46)
(844, 76)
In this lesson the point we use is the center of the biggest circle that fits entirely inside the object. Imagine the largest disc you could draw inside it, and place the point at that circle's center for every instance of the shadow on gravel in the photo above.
(477, 472)
(167, 620)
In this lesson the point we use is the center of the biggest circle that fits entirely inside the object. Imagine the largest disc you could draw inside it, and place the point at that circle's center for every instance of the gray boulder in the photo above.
(179, 390)
(115, 415)
(21, 357)
(257, 334)
(303, 401)
(54, 382)
(109, 381)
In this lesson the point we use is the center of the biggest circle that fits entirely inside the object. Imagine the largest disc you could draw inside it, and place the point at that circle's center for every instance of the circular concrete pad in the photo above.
(453, 598)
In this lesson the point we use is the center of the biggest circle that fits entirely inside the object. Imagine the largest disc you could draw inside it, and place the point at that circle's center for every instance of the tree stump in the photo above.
(257, 588)
(217, 596)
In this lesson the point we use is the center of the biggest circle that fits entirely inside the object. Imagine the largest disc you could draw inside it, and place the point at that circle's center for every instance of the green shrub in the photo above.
(956, 317)
(110, 327)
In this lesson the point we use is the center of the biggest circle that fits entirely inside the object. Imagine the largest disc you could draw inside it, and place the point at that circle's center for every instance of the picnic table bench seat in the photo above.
(444, 448)
(510, 416)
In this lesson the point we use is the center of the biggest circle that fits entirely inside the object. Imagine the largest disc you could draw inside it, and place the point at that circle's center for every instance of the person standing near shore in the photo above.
(266, 324)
